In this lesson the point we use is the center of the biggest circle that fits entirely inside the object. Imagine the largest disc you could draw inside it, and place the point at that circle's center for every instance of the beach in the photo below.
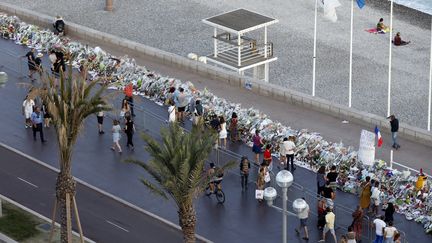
(175, 26)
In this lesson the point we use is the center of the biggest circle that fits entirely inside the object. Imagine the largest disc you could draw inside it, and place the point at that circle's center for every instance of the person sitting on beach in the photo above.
(381, 27)
(397, 41)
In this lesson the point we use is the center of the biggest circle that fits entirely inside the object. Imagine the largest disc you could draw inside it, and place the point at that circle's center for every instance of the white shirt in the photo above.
(390, 231)
(171, 114)
(376, 193)
(288, 147)
(379, 225)
(28, 106)
(304, 214)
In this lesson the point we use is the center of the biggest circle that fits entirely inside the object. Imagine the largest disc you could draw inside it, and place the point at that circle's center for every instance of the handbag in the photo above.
(259, 194)
(267, 177)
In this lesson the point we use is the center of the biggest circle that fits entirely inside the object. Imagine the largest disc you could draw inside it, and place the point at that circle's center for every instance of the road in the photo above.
(240, 219)
(103, 218)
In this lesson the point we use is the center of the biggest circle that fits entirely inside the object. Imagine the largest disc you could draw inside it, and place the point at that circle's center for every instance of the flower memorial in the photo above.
(312, 150)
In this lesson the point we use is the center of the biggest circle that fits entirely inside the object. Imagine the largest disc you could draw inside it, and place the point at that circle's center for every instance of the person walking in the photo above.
(290, 149)
(268, 157)
(394, 125)
(125, 110)
(38, 63)
(261, 179)
(388, 213)
(257, 144)
(100, 119)
(129, 130)
(329, 226)
(389, 232)
(329, 194)
(379, 226)
(365, 194)
(37, 121)
(322, 210)
(303, 217)
(244, 172)
(321, 179)
(31, 63)
(46, 114)
(376, 198)
(351, 235)
(181, 103)
(233, 128)
(27, 110)
(171, 112)
(198, 113)
(357, 216)
(332, 177)
(116, 136)
(130, 101)
(223, 133)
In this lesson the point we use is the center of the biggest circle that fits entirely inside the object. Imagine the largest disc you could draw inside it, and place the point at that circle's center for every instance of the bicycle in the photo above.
(220, 195)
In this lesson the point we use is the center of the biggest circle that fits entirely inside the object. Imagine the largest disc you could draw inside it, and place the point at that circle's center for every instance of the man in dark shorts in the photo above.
(31, 63)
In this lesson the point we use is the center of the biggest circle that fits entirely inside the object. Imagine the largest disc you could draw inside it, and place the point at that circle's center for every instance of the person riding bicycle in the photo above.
(216, 175)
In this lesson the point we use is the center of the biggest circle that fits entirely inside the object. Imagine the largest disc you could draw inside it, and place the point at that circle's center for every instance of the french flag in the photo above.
(378, 134)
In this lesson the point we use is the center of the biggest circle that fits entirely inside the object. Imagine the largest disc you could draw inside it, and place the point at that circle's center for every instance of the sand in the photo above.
(175, 26)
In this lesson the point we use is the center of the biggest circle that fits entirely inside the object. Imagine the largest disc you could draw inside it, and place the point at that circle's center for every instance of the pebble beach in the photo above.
(175, 26)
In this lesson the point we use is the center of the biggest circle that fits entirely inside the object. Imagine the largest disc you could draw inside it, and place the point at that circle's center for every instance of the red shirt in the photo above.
(267, 155)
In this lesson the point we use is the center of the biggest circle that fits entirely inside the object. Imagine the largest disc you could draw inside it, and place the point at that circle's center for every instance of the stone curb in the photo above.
(264, 89)
(4, 238)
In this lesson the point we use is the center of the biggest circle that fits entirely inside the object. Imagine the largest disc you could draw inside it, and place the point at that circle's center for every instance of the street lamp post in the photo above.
(284, 179)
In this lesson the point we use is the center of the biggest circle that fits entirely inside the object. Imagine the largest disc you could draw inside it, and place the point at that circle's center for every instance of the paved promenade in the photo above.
(175, 26)
(241, 217)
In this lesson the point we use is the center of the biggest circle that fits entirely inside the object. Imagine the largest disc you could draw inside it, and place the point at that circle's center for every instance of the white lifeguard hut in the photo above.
(237, 52)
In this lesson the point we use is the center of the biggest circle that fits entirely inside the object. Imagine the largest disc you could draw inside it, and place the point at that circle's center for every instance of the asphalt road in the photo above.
(103, 218)
(240, 219)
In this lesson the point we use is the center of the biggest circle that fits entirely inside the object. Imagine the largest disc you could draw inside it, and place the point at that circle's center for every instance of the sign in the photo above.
(366, 153)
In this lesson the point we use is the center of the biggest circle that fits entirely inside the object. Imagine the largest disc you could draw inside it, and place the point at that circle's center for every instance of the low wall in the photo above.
(233, 79)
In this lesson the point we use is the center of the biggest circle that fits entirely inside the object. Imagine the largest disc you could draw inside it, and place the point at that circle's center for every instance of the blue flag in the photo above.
(361, 3)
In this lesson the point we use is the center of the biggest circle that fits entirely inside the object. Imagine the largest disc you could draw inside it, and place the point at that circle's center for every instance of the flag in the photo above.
(361, 3)
(329, 8)
(378, 135)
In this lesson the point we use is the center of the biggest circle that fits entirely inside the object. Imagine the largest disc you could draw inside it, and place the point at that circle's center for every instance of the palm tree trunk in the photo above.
(65, 185)
(187, 220)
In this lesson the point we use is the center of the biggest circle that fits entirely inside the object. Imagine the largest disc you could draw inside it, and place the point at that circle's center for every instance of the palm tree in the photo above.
(177, 165)
(69, 103)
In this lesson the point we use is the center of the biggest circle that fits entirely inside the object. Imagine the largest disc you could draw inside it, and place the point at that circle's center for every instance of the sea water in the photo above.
(420, 5)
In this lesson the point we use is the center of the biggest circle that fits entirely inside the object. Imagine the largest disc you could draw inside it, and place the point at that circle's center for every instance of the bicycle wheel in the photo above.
(220, 196)
(207, 191)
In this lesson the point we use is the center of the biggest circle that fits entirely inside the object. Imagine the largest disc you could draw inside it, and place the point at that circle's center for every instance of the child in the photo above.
(171, 112)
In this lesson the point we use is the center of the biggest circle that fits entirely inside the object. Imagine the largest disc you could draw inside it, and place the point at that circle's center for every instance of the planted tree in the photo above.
(177, 165)
(70, 100)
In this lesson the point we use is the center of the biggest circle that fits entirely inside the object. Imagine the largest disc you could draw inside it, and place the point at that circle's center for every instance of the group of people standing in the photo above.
(36, 116)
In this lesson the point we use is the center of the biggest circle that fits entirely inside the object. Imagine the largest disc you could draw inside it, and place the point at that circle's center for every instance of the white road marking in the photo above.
(109, 222)
(31, 184)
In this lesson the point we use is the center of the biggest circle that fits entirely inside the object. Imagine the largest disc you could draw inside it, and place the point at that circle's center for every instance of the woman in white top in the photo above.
(27, 109)
(171, 112)
(116, 135)
(223, 134)
(389, 232)
(283, 152)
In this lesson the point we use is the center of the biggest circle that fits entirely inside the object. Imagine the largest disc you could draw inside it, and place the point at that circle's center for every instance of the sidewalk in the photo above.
(414, 155)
